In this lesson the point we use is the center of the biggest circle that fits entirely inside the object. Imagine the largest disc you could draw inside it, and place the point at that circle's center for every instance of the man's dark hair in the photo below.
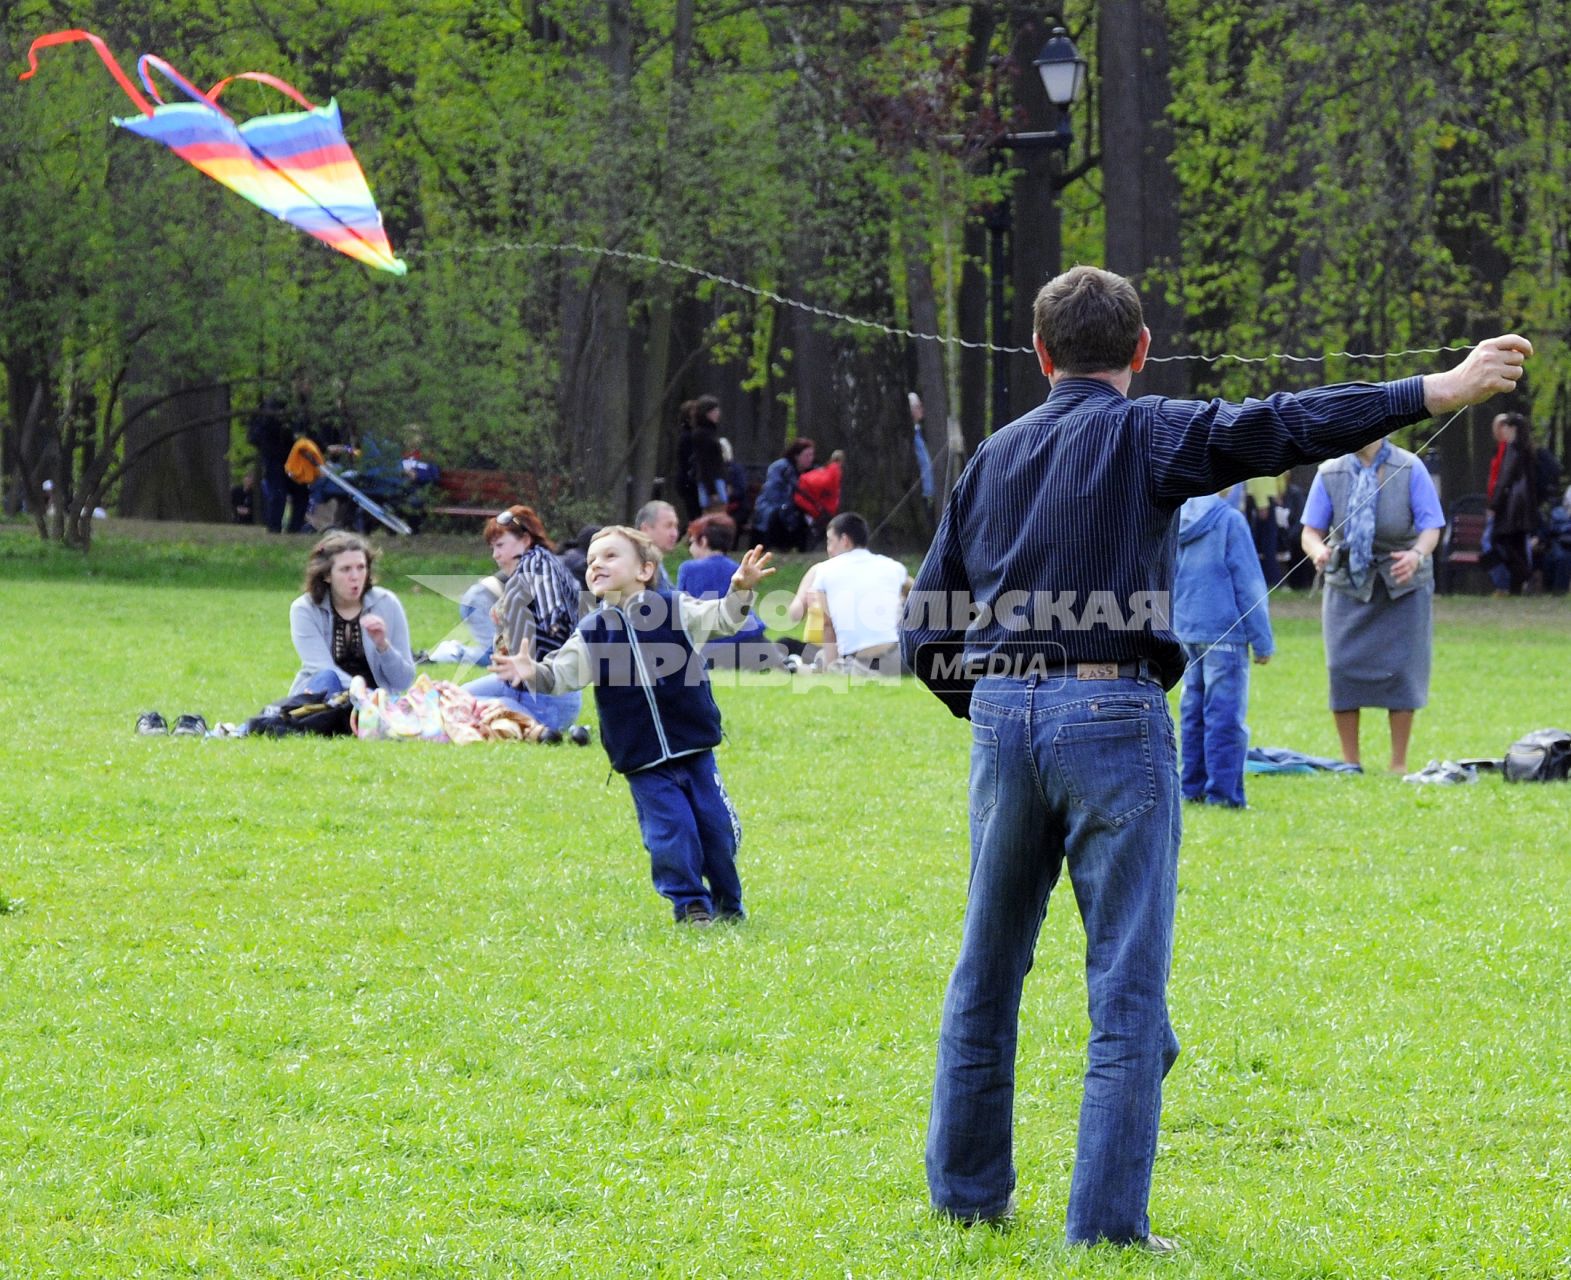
(1089, 320)
(849, 525)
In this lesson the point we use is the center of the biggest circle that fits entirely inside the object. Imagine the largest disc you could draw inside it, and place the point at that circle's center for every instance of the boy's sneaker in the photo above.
(190, 726)
(578, 735)
(697, 915)
(729, 914)
(150, 723)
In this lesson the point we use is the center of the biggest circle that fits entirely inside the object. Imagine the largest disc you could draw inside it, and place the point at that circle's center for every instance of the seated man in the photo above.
(657, 521)
(860, 595)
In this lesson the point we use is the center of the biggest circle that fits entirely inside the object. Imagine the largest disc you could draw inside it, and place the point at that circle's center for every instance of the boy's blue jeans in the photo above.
(691, 831)
(1211, 713)
(1083, 773)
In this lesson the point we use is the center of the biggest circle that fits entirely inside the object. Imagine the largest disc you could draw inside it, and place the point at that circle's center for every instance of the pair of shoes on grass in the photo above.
(1446, 773)
(578, 735)
(150, 724)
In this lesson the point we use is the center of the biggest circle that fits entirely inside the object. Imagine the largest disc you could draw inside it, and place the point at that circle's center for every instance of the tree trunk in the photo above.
(1141, 195)
(971, 304)
(184, 477)
(654, 414)
(1036, 238)
(596, 395)
(930, 384)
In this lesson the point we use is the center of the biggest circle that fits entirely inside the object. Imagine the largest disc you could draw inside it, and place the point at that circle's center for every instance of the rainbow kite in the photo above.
(296, 165)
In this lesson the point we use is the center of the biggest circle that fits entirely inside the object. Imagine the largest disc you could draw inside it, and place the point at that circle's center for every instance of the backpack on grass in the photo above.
(1541, 756)
(326, 716)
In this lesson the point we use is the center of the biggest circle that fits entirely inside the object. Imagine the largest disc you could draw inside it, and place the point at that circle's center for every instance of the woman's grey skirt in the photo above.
(1378, 653)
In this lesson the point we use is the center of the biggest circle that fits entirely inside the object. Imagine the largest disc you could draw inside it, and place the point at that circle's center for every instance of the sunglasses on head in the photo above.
(506, 518)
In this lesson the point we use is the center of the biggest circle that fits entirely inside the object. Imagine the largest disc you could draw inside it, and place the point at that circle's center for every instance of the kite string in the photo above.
(770, 295)
(1393, 472)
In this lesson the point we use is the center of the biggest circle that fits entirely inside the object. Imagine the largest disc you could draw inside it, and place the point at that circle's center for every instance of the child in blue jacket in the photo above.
(641, 649)
(1219, 613)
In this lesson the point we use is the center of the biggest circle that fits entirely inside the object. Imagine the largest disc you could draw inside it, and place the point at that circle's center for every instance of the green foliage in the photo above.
(1372, 177)
(308, 1008)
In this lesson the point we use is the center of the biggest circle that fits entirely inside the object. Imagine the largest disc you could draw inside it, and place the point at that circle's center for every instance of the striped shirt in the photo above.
(539, 606)
(1057, 543)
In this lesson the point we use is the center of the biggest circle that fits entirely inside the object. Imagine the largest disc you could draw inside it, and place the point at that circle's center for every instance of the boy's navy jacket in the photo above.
(1218, 579)
(652, 691)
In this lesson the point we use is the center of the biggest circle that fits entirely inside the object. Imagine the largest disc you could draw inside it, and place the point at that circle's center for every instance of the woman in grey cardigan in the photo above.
(1371, 524)
(343, 625)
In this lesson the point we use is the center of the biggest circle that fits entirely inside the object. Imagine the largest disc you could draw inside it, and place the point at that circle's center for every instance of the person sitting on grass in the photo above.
(1219, 612)
(707, 576)
(658, 717)
(535, 608)
(859, 596)
(344, 625)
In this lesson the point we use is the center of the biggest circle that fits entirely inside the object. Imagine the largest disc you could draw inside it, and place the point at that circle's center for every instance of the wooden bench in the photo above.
(481, 494)
(1464, 540)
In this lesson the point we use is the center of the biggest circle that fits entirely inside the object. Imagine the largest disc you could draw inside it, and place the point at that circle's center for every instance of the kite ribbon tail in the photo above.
(262, 77)
(153, 61)
(67, 37)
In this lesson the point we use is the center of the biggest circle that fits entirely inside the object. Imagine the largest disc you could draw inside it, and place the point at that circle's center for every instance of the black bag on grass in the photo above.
(326, 717)
(1541, 756)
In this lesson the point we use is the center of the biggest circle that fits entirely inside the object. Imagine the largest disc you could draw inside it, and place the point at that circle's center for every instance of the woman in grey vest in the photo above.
(1371, 524)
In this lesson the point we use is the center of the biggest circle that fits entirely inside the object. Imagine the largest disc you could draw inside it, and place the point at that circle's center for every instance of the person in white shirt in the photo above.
(860, 595)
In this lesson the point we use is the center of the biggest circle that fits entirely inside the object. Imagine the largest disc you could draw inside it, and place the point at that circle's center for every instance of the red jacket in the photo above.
(1494, 468)
(818, 491)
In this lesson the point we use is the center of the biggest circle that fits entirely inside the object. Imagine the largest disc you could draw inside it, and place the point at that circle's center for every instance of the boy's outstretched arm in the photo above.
(703, 620)
(755, 567)
(564, 671)
(518, 669)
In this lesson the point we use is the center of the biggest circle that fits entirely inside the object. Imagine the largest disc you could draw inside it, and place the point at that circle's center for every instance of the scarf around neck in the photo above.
(1359, 527)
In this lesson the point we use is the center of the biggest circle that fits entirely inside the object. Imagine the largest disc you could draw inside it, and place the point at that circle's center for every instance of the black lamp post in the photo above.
(1063, 74)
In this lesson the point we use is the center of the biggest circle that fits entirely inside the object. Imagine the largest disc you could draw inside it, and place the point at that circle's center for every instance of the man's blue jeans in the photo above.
(1082, 772)
(1211, 713)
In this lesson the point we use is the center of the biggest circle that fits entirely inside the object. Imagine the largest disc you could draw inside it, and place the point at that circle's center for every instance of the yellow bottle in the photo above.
(813, 625)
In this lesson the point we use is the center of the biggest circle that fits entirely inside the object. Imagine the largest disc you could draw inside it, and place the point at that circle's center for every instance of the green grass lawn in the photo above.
(324, 1008)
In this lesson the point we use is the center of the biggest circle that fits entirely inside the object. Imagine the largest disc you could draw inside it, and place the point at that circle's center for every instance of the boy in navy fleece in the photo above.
(641, 650)
(1219, 613)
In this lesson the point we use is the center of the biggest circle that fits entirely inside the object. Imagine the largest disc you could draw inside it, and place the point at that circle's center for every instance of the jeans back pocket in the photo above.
(1106, 765)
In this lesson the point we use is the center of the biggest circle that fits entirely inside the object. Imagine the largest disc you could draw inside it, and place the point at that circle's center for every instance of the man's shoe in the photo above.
(697, 915)
(190, 726)
(150, 724)
(1002, 1218)
(578, 735)
(1160, 1246)
(729, 915)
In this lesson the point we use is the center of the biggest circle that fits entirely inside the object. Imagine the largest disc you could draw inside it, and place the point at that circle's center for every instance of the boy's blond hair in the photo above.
(643, 544)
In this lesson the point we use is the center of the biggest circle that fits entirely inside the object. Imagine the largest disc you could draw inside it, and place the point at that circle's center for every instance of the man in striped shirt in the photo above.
(1041, 615)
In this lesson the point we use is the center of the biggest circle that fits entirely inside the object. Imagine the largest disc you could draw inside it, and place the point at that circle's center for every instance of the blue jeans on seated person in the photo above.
(691, 831)
(1211, 713)
(326, 682)
(555, 711)
(1083, 773)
